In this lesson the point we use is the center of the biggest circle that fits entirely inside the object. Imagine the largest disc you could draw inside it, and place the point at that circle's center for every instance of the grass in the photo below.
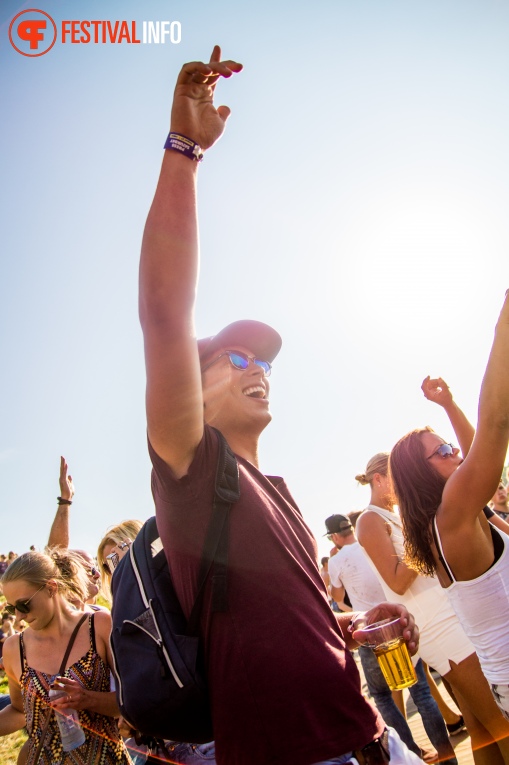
(10, 745)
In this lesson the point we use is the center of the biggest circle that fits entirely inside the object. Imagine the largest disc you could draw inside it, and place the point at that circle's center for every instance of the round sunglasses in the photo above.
(21, 605)
(241, 361)
(444, 451)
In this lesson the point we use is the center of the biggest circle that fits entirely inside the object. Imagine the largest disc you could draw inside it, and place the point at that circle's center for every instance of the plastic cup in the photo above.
(385, 638)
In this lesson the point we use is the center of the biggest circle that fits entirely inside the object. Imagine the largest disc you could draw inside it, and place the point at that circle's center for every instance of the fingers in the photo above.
(207, 74)
(436, 389)
(411, 635)
(216, 56)
(72, 689)
(224, 112)
(66, 683)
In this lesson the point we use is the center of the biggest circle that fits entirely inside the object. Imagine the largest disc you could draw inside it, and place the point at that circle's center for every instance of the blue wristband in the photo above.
(184, 145)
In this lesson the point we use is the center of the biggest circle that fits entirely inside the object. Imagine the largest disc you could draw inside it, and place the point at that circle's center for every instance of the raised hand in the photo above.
(193, 112)
(436, 390)
(65, 480)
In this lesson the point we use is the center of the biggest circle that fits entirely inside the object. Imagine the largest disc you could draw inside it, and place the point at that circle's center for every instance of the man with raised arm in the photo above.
(284, 688)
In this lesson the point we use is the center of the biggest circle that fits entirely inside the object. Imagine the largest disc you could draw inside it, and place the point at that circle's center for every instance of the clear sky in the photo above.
(357, 202)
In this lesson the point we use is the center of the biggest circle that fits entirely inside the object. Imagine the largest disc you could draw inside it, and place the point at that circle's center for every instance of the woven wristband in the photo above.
(184, 145)
(62, 501)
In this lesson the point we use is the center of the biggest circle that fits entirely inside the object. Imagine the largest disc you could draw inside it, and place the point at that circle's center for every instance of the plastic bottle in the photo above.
(71, 732)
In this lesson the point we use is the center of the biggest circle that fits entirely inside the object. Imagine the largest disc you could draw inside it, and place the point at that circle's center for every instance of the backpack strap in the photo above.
(215, 550)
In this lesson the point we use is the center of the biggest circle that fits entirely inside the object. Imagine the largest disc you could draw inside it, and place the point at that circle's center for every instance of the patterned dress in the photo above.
(103, 744)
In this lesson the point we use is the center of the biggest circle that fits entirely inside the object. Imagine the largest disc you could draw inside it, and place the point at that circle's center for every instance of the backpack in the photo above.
(161, 684)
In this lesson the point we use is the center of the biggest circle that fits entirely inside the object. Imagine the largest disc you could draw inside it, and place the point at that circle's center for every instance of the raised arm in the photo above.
(59, 532)
(169, 270)
(473, 484)
(437, 390)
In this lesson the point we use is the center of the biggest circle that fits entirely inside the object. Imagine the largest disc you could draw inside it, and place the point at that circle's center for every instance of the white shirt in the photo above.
(350, 568)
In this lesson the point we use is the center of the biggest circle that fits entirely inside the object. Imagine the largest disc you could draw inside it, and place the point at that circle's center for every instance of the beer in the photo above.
(395, 664)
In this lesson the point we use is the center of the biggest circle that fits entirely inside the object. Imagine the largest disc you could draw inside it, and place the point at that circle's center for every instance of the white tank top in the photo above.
(482, 606)
(425, 597)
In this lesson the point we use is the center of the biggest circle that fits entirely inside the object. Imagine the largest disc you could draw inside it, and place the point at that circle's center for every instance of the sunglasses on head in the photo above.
(241, 361)
(21, 605)
(444, 450)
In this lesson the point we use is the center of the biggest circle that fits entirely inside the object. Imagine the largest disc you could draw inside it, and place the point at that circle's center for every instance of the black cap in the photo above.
(335, 524)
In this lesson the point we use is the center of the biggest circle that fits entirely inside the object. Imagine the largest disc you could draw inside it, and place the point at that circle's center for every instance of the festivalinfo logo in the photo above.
(34, 33)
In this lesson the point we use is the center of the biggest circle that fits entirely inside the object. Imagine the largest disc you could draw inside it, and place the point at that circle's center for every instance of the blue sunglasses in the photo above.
(241, 361)
(444, 451)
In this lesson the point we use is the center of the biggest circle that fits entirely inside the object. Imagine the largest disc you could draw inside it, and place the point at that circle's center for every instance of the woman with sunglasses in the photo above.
(39, 585)
(442, 494)
(476, 590)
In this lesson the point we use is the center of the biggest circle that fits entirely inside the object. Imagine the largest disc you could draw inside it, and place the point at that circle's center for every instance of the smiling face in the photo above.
(234, 397)
(445, 466)
(41, 605)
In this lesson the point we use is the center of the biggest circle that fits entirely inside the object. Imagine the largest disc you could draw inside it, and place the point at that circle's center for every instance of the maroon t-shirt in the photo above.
(284, 688)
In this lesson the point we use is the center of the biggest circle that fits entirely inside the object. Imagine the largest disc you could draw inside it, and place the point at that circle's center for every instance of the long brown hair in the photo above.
(418, 488)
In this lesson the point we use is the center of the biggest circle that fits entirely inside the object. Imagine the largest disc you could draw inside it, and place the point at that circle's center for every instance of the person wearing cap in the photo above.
(284, 688)
(336, 524)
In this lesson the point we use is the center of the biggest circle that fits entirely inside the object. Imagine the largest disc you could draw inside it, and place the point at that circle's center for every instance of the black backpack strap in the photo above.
(215, 550)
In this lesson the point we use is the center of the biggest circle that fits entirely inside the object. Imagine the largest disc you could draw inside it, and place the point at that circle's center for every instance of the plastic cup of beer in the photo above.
(386, 640)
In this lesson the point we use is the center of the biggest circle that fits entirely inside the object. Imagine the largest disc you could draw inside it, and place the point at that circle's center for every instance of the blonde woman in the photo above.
(39, 585)
(443, 643)
(116, 543)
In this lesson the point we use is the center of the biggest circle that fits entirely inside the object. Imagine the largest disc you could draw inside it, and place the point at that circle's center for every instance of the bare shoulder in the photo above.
(370, 523)
(11, 656)
(102, 621)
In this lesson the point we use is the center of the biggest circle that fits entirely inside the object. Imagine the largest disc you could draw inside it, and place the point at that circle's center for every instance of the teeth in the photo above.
(257, 391)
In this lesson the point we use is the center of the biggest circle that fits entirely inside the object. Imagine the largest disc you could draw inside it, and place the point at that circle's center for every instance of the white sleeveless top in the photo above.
(442, 638)
(424, 594)
(482, 605)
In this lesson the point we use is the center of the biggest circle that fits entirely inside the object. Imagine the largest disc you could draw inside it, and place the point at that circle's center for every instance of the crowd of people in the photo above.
(373, 556)
(284, 686)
